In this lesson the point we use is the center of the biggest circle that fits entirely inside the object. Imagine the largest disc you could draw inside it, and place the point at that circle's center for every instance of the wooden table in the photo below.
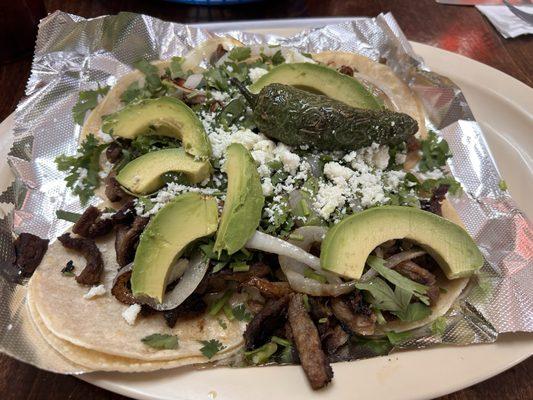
(459, 29)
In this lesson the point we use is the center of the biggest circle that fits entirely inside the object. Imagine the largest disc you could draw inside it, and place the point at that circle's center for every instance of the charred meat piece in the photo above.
(357, 323)
(334, 338)
(217, 54)
(92, 272)
(113, 190)
(192, 307)
(434, 204)
(271, 290)
(29, 251)
(346, 70)
(125, 214)
(91, 225)
(127, 239)
(266, 322)
(416, 273)
(122, 290)
(433, 293)
(218, 282)
(305, 335)
(113, 152)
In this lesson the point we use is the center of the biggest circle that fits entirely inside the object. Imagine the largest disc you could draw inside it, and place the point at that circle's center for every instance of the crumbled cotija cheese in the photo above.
(130, 313)
(94, 291)
(256, 73)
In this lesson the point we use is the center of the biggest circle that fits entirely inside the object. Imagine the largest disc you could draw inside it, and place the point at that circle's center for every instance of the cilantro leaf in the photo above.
(278, 58)
(82, 168)
(239, 53)
(161, 341)
(68, 270)
(413, 312)
(377, 346)
(397, 279)
(383, 296)
(175, 68)
(211, 347)
(222, 324)
(133, 92)
(151, 74)
(241, 314)
(398, 337)
(87, 100)
(68, 216)
(502, 185)
(435, 152)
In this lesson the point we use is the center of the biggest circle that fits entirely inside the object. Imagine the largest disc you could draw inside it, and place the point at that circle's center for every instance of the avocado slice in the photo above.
(186, 218)
(244, 201)
(164, 116)
(143, 175)
(319, 79)
(348, 244)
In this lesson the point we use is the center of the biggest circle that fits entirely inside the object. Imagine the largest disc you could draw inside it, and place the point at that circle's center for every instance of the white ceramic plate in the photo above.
(504, 107)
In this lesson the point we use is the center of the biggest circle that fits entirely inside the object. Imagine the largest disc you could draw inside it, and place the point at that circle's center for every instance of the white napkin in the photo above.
(508, 24)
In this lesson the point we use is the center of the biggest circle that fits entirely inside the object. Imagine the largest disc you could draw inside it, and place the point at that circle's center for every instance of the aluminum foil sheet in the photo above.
(73, 54)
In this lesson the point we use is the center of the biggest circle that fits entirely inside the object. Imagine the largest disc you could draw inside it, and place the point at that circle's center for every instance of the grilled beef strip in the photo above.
(125, 214)
(434, 204)
(122, 290)
(113, 190)
(433, 293)
(334, 338)
(416, 273)
(217, 54)
(218, 282)
(354, 317)
(192, 307)
(113, 152)
(271, 290)
(127, 239)
(263, 325)
(307, 342)
(29, 252)
(331, 333)
(92, 272)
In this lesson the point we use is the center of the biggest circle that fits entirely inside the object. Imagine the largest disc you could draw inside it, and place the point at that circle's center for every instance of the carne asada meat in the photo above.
(433, 293)
(359, 323)
(113, 152)
(346, 70)
(91, 225)
(29, 251)
(334, 338)
(266, 322)
(125, 214)
(434, 204)
(121, 289)
(271, 290)
(92, 272)
(416, 273)
(127, 239)
(305, 335)
(192, 307)
(219, 281)
(217, 54)
(113, 190)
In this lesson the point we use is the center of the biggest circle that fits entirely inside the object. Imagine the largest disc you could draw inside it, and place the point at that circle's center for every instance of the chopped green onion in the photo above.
(306, 302)
(262, 354)
(305, 207)
(281, 341)
(379, 316)
(228, 311)
(323, 320)
(239, 267)
(218, 267)
(215, 308)
(309, 273)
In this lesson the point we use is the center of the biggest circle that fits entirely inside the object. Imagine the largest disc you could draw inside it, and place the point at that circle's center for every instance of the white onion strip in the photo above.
(193, 81)
(188, 283)
(271, 244)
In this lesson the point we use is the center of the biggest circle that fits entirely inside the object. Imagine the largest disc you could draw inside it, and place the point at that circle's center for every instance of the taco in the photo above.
(260, 204)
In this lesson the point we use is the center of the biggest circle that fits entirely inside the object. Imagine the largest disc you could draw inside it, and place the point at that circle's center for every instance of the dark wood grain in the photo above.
(459, 29)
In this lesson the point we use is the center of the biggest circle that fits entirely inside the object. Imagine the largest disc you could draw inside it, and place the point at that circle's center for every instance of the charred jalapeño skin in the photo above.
(296, 117)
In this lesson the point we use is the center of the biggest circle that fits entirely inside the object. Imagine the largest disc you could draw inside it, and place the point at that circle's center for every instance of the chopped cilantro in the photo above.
(68, 216)
(161, 341)
(82, 168)
(376, 346)
(398, 337)
(435, 152)
(211, 347)
(230, 114)
(239, 53)
(383, 296)
(239, 266)
(241, 314)
(438, 327)
(413, 312)
(151, 75)
(68, 270)
(222, 324)
(87, 100)
(277, 58)
(502, 185)
(175, 68)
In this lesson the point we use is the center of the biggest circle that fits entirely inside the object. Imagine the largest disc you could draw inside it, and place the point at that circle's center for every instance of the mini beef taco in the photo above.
(260, 204)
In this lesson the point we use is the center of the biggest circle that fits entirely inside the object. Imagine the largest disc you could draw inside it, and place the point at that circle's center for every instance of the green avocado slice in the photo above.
(348, 244)
(244, 201)
(185, 219)
(319, 79)
(164, 116)
(143, 175)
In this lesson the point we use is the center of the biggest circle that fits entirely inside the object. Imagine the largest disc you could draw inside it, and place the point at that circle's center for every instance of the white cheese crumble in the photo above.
(433, 174)
(220, 96)
(94, 291)
(267, 187)
(104, 136)
(130, 313)
(328, 198)
(256, 73)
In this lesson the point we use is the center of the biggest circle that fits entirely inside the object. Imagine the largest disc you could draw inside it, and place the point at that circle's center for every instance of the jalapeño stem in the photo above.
(250, 97)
